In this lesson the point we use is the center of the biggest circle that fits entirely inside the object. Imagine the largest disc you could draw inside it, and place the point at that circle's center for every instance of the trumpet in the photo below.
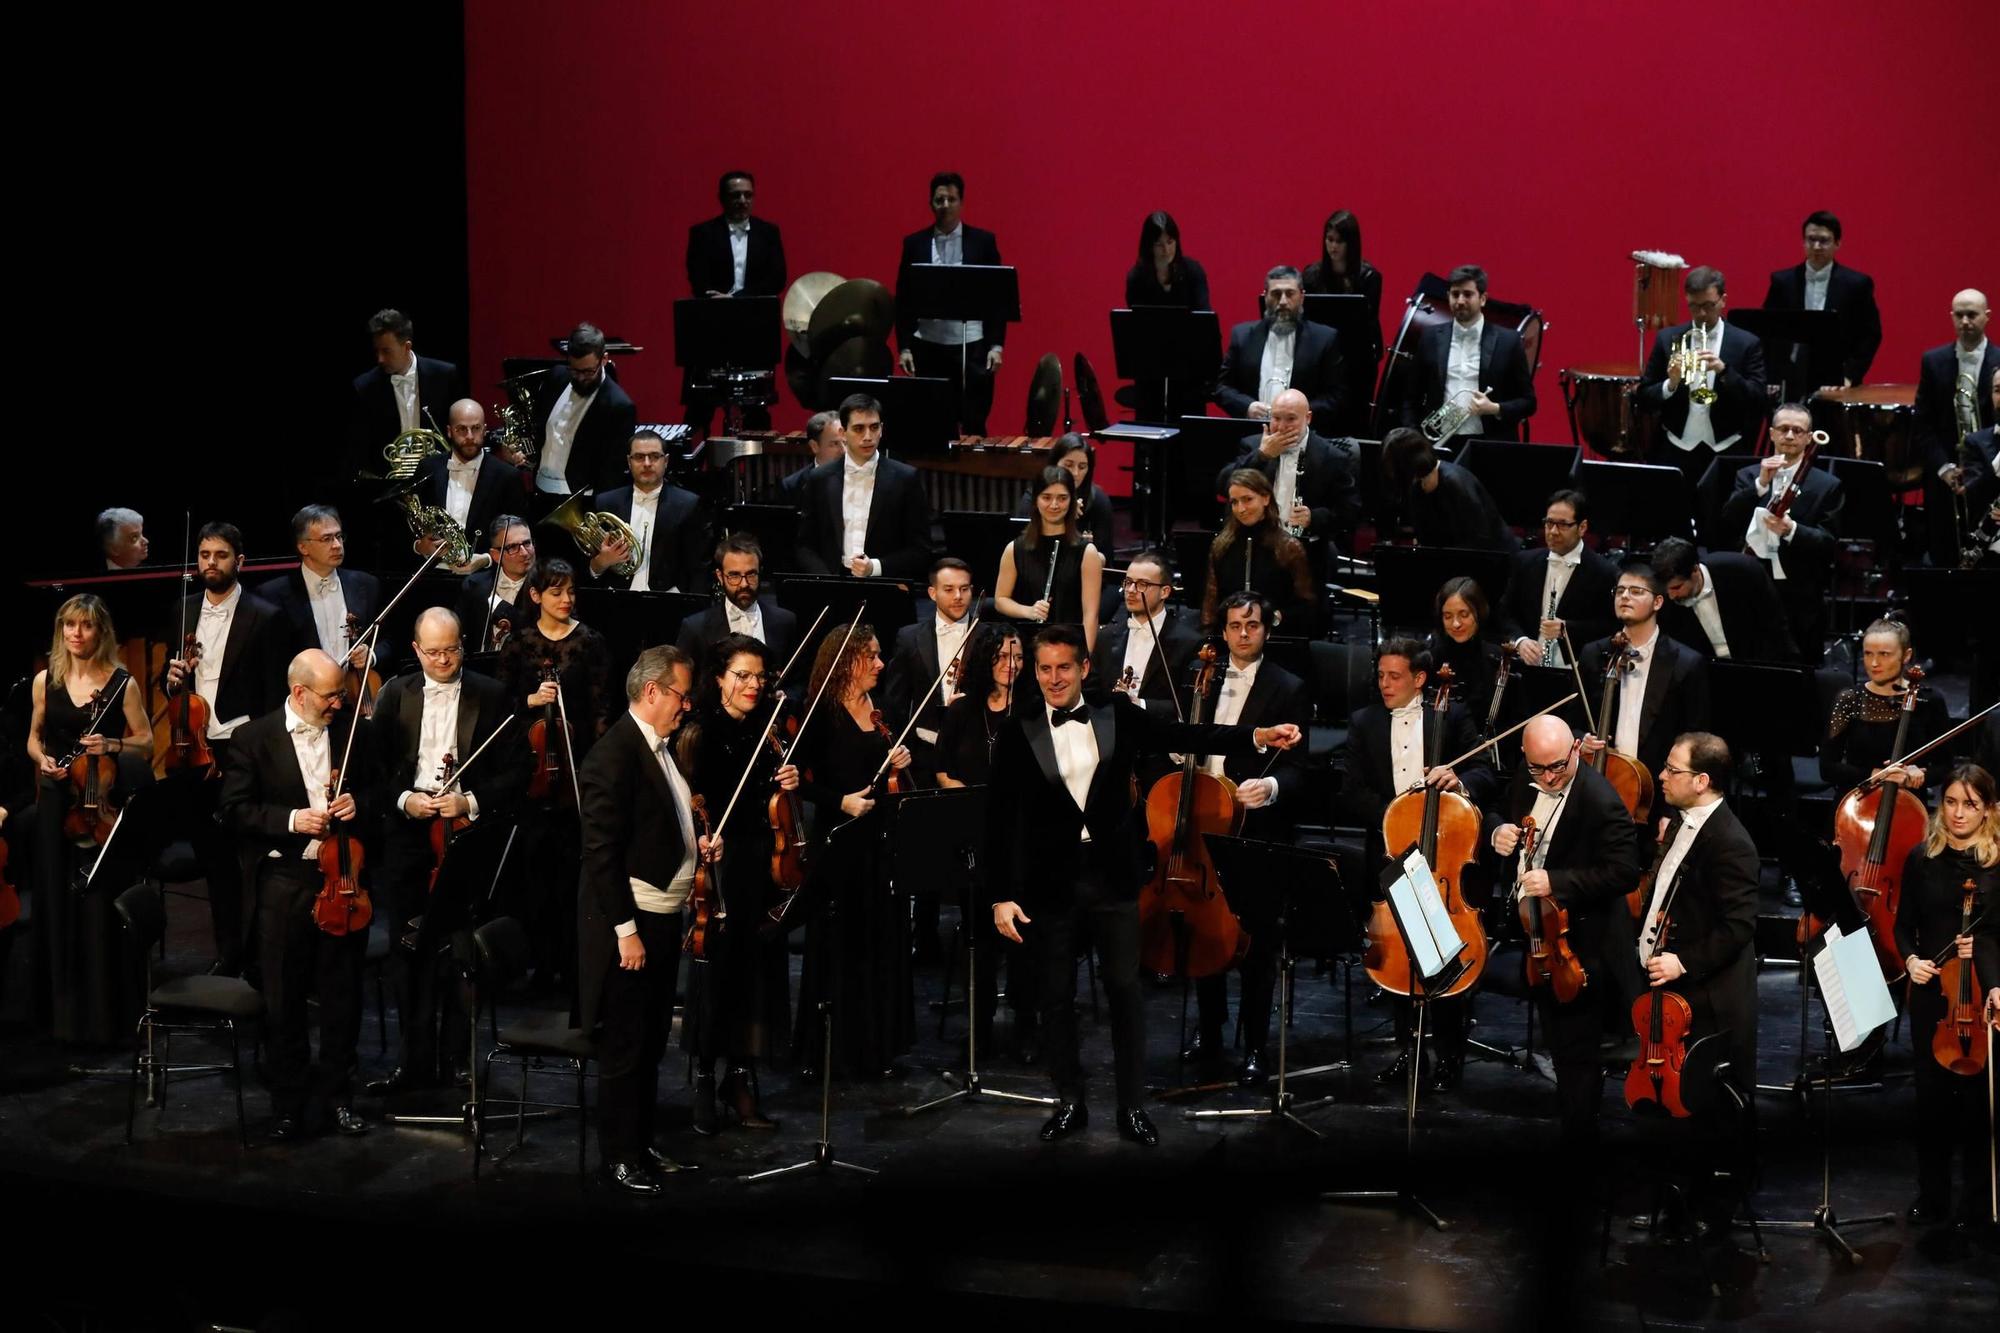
(1687, 364)
(591, 528)
(428, 522)
(1442, 424)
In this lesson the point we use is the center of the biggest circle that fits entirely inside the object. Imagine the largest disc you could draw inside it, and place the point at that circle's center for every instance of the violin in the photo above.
(1627, 776)
(1958, 1043)
(1186, 927)
(1661, 1018)
(549, 739)
(789, 857)
(183, 741)
(702, 898)
(363, 683)
(1550, 960)
(442, 831)
(342, 905)
(1876, 826)
(1444, 826)
(91, 814)
(891, 782)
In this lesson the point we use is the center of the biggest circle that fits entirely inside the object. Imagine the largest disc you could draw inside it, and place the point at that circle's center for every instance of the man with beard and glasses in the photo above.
(472, 483)
(743, 609)
(585, 422)
(238, 670)
(1282, 351)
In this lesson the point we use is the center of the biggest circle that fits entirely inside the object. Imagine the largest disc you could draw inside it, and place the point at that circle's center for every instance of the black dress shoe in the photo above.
(1396, 1072)
(666, 1165)
(1135, 1125)
(1445, 1078)
(285, 1128)
(629, 1178)
(1194, 1050)
(1254, 1074)
(399, 1079)
(1068, 1119)
(348, 1123)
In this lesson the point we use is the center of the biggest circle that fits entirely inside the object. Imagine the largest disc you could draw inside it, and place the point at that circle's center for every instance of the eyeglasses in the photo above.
(515, 548)
(1820, 242)
(1665, 769)
(1129, 584)
(1553, 770)
(741, 676)
(1560, 522)
(1791, 430)
(1629, 590)
(442, 654)
(330, 539)
(338, 696)
(738, 580)
(654, 457)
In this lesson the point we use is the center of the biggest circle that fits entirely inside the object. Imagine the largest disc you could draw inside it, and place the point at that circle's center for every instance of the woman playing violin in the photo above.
(1961, 846)
(858, 939)
(76, 714)
(737, 996)
(1861, 733)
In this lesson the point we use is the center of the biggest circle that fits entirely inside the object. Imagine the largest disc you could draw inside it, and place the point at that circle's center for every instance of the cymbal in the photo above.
(1044, 396)
(799, 375)
(1089, 397)
(856, 357)
(806, 292)
(860, 305)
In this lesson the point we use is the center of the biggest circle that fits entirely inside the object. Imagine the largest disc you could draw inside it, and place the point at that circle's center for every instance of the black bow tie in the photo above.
(1058, 716)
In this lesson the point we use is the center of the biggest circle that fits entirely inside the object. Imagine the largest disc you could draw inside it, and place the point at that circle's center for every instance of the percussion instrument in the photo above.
(1599, 399)
(1876, 422)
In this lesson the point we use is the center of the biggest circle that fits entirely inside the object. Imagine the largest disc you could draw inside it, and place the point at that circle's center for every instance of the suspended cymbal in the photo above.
(861, 306)
(1044, 396)
(1089, 397)
(855, 357)
(806, 292)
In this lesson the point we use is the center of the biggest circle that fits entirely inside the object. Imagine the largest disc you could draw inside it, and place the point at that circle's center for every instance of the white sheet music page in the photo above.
(1850, 981)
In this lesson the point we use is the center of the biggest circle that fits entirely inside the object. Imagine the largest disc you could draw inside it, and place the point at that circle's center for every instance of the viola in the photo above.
(549, 740)
(1876, 826)
(1186, 928)
(363, 683)
(442, 831)
(342, 905)
(892, 783)
(1661, 1018)
(1550, 960)
(1444, 826)
(1627, 776)
(183, 741)
(789, 857)
(1959, 1043)
(702, 898)
(1642, 893)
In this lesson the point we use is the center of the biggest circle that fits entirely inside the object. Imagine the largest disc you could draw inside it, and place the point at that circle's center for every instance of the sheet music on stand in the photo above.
(1850, 981)
(1426, 925)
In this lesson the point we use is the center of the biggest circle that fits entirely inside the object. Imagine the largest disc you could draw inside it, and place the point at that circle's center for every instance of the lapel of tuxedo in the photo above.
(1104, 724)
(468, 719)
(1041, 740)
(1665, 650)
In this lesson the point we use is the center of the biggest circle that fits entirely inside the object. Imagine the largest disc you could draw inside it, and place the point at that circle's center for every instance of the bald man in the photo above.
(472, 483)
(1585, 858)
(277, 797)
(1312, 477)
(1950, 406)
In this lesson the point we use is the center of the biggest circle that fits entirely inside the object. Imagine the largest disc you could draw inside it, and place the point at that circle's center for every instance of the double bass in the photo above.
(1549, 959)
(1959, 1042)
(1186, 927)
(1876, 826)
(1445, 828)
(1627, 776)
(1661, 1018)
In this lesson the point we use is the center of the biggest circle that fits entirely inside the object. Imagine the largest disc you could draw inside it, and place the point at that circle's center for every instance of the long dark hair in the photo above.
(1157, 224)
(1319, 274)
(988, 642)
(708, 686)
(1031, 536)
(1065, 445)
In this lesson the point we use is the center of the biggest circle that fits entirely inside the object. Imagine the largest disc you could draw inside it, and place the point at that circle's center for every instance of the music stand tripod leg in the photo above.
(1404, 1197)
(823, 1156)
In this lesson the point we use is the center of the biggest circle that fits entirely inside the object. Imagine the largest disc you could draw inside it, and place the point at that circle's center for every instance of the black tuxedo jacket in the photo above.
(375, 420)
(287, 595)
(1740, 402)
(1935, 430)
(1180, 638)
(499, 489)
(1503, 367)
(913, 665)
(1676, 698)
(683, 552)
(1584, 607)
(1327, 483)
(262, 785)
(1276, 696)
(254, 659)
(597, 454)
(978, 247)
(899, 521)
(1034, 851)
(1593, 861)
(711, 265)
(631, 830)
(1983, 487)
(1368, 775)
(703, 630)
(1460, 512)
(1316, 370)
(476, 612)
(1807, 556)
(498, 779)
(1753, 619)
(1712, 919)
(1849, 294)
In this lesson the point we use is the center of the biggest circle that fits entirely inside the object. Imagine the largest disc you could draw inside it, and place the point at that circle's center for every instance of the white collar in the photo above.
(1472, 330)
(1244, 673)
(326, 582)
(854, 469)
(1414, 708)
(941, 626)
(294, 724)
(1573, 559)
(1694, 816)
(228, 603)
(1974, 354)
(441, 686)
(740, 228)
(652, 738)
(1707, 588)
(394, 378)
(457, 464)
(650, 498)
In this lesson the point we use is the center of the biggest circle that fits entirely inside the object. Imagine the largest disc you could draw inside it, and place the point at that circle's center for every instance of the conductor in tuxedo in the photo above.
(1951, 406)
(1585, 858)
(673, 539)
(1254, 692)
(1821, 282)
(1722, 604)
(277, 799)
(426, 724)
(867, 515)
(1312, 478)
(1062, 783)
(402, 392)
(584, 421)
(1797, 548)
(1665, 691)
(1564, 588)
(472, 484)
(1283, 350)
(1474, 362)
(1731, 369)
(321, 598)
(965, 351)
(742, 609)
(732, 254)
(639, 850)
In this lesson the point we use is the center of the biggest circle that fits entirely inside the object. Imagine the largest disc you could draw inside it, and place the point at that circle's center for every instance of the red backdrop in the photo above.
(1543, 141)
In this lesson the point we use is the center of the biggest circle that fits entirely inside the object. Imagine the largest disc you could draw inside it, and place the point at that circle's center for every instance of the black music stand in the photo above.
(1297, 895)
(776, 528)
(1408, 578)
(1645, 503)
(946, 828)
(989, 293)
(978, 538)
(1520, 477)
(1942, 605)
(1149, 444)
(886, 604)
(1160, 347)
(919, 417)
(1786, 332)
(632, 621)
(730, 350)
(1188, 478)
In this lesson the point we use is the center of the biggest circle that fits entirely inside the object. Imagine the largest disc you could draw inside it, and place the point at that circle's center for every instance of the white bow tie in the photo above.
(1573, 559)
(327, 584)
(461, 465)
(1134, 623)
(405, 377)
(309, 731)
(218, 612)
(432, 689)
(1414, 708)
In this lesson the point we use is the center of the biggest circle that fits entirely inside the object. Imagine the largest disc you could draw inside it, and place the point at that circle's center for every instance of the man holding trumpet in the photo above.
(1705, 379)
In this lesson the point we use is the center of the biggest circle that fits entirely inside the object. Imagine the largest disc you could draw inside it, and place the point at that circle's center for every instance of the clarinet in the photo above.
(1551, 648)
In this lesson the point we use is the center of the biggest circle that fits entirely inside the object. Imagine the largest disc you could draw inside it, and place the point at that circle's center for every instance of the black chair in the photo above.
(1342, 676)
(203, 1004)
(502, 958)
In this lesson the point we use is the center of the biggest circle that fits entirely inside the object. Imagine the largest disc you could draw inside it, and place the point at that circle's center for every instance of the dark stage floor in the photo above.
(971, 1220)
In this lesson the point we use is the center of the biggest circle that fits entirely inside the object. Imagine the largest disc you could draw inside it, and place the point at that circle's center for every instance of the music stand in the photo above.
(989, 293)
(1786, 332)
(1156, 346)
(730, 349)
(1358, 329)
(1940, 603)
(919, 416)
(979, 537)
(1408, 578)
(1644, 503)
(1207, 446)
(1148, 502)
(888, 604)
(632, 621)
(1520, 477)
(775, 526)
(1297, 895)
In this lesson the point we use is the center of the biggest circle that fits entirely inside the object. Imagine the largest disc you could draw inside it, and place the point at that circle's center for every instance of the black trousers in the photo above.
(1448, 1015)
(971, 382)
(1951, 1121)
(420, 929)
(637, 1009)
(1574, 1032)
(1260, 974)
(299, 960)
(1059, 934)
(192, 804)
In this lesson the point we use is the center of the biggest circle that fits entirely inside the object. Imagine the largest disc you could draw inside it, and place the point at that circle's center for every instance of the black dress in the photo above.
(583, 668)
(1474, 667)
(1031, 575)
(965, 740)
(1142, 287)
(1277, 569)
(1093, 526)
(737, 996)
(1861, 734)
(858, 922)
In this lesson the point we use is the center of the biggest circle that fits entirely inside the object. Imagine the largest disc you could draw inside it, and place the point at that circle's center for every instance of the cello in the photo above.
(1661, 1018)
(1444, 826)
(1186, 928)
(1959, 1044)
(1876, 825)
(1549, 959)
(1627, 776)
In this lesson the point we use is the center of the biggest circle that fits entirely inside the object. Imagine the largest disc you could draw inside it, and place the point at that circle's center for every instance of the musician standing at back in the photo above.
(732, 254)
(673, 539)
(868, 516)
(584, 421)
(1312, 478)
(1563, 589)
(325, 604)
(1949, 408)
(1049, 575)
(1706, 380)
(1819, 283)
(1473, 364)
(826, 441)
(1797, 548)
(966, 352)
(472, 484)
(392, 397)
(1283, 350)
(742, 608)
(1722, 604)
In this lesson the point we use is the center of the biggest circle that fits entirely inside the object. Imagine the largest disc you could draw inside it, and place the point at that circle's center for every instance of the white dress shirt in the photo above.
(1139, 651)
(460, 479)
(950, 634)
(649, 897)
(739, 252)
(211, 631)
(1764, 543)
(1406, 745)
(315, 754)
(645, 513)
(1692, 819)
(1237, 682)
(1274, 371)
(1699, 429)
(404, 386)
(1817, 281)
(1632, 697)
(1708, 611)
(329, 611)
(1285, 491)
(1461, 369)
(437, 736)
(1555, 582)
(1076, 757)
(749, 622)
(559, 437)
(1547, 810)
(857, 497)
(949, 248)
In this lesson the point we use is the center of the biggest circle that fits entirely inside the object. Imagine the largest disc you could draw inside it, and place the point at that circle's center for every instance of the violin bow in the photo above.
(96, 723)
(119, 822)
(804, 639)
(1930, 745)
(1159, 651)
(1509, 732)
(770, 724)
(569, 749)
(374, 630)
(187, 574)
(1589, 718)
(924, 702)
(458, 774)
(812, 707)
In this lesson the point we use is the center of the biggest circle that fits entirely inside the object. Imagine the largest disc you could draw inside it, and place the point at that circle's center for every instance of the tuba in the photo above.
(1686, 364)
(431, 522)
(589, 528)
